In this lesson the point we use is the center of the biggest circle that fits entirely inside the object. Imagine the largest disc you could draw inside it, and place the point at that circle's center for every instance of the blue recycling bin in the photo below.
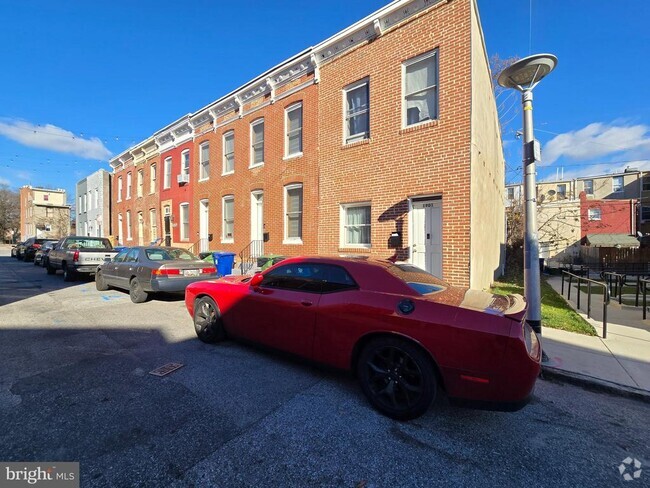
(223, 262)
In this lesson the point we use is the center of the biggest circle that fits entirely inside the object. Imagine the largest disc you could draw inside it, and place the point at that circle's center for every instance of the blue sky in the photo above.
(82, 81)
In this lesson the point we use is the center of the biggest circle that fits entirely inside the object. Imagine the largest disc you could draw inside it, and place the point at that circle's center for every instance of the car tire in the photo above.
(207, 321)
(68, 274)
(50, 269)
(35, 263)
(100, 282)
(25, 258)
(137, 294)
(397, 377)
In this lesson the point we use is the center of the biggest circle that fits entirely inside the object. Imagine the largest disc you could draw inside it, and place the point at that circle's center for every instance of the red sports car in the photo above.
(404, 332)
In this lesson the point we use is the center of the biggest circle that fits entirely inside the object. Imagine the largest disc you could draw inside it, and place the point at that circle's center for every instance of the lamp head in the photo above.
(527, 72)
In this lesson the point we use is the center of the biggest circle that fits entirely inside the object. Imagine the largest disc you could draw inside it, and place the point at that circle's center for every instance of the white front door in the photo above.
(257, 222)
(426, 235)
(204, 219)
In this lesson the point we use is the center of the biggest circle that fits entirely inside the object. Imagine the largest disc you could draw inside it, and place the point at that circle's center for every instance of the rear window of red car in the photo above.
(419, 280)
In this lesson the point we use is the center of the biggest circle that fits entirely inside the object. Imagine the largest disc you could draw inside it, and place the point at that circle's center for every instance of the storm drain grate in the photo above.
(166, 369)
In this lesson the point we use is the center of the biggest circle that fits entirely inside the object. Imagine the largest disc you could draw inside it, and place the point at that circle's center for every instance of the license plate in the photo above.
(190, 272)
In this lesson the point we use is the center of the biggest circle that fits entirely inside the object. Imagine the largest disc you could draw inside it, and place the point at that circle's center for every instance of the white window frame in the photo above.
(129, 230)
(436, 87)
(252, 163)
(167, 173)
(128, 185)
(204, 165)
(225, 155)
(96, 198)
(286, 238)
(584, 187)
(645, 180)
(120, 229)
(559, 193)
(342, 225)
(224, 238)
(81, 209)
(185, 162)
(119, 190)
(289, 109)
(621, 189)
(594, 213)
(184, 208)
(140, 183)
(153, 224)
(347, 138)
(152, 177)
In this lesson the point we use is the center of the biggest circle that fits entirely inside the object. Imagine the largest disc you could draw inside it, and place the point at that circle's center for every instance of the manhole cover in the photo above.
(166, 369)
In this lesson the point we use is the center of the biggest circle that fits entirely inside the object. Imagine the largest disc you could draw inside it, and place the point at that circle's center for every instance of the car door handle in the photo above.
(306, 303)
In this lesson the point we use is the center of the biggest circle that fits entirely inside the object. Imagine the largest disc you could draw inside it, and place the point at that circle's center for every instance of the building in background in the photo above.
(44, 213)
(381, 141)
(93, 199)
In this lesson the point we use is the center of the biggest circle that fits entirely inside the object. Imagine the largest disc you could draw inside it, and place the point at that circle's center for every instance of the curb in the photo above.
(594, 384)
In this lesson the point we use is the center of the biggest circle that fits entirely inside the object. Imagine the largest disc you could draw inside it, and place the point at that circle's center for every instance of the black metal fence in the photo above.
(571, 277)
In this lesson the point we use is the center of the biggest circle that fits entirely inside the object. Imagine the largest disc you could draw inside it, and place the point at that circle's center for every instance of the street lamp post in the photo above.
(524, 75)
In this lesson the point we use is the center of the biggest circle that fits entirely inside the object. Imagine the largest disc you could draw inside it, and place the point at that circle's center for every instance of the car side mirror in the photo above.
(257, 279)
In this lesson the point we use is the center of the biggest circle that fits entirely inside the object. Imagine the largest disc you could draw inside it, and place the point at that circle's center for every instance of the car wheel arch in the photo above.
(365, 339)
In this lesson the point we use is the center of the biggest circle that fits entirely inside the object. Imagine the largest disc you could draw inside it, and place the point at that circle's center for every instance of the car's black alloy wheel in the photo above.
(207, 321)
(68, 274)
(100, 282)
(397, 377)
(138, 295)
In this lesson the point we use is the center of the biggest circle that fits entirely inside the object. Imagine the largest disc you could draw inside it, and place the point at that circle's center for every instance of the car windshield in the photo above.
(83, 243)
(169, 255)
(419, 280)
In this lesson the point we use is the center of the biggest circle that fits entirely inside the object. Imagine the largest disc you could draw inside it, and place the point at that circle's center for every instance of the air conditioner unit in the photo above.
(590, 196)
(183, 178)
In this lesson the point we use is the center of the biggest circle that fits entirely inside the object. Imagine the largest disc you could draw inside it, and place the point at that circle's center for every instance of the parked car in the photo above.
(14, 249)
(405, 333)
(19, 250)
(79, 255)
(32, 245)
(146, 270)
(41, 256)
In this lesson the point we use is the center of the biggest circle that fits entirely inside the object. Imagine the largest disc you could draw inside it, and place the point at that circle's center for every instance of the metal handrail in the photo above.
(248, 256)
(645, 282)
(606, 295)
(618, 280)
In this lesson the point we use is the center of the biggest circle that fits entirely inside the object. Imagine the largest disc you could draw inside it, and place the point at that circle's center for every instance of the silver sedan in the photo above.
(146, 270)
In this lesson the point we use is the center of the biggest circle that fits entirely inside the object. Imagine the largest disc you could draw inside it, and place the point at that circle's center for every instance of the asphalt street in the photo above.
(75, 386)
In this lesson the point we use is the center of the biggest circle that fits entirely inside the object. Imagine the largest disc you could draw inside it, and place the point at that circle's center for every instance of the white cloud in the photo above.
(4, 181)
(599, 140)
(53, 138)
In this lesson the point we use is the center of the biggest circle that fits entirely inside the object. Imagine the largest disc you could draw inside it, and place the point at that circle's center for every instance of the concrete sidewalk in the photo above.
(620, 361)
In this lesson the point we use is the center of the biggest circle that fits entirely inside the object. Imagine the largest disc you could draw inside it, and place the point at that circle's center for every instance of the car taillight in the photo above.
(75, 256)
(37, 246)
(208, 270)
(531, 340)
(165, 272)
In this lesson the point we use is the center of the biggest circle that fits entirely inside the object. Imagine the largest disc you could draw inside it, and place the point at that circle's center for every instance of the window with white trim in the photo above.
(153, 225)
(204, 161)
(185, 162)
(645, 182)
(119, 190)
(357, 111)
(167, 175)
(257, 142)
(152, 178)
(355, 225)
(561, 190)
(128, 185)
(228, 152)
(420, 88)
(129, 236)
(80, 207)
(588, 186)
(511, 193)
(140, 182)
(293, 214)
(184, 212)
(120, 229)
(228, 215)
(617, 184)
(96, 198)
(293, 130)
(594, 213)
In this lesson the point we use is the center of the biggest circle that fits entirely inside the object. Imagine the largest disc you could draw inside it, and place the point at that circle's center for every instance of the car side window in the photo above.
(298, 277)
(121, 256)
(336, 278)
(132, 256)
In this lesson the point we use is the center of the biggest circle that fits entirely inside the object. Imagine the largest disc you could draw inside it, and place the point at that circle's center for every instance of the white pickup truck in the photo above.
(78, 254)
